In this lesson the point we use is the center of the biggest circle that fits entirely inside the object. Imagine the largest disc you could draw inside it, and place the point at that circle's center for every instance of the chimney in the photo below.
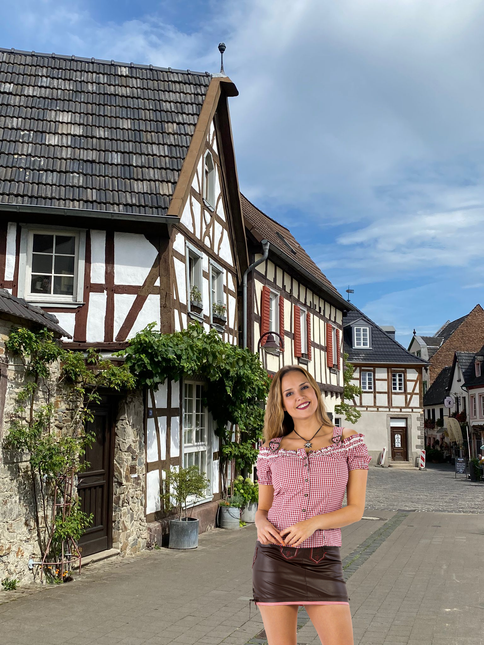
(389, 331)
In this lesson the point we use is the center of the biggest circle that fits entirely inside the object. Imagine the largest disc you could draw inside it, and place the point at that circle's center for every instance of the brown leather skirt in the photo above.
(290, 576)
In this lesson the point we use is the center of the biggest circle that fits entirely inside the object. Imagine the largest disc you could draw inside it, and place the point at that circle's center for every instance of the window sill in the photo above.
(57, 303)
(195, 316)
(334, 370)
(302, 360)
(208, 205)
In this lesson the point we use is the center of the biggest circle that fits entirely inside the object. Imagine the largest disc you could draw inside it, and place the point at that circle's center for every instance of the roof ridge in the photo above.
(102, 61)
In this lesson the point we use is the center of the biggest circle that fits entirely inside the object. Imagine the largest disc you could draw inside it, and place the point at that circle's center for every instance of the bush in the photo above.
(246, 489)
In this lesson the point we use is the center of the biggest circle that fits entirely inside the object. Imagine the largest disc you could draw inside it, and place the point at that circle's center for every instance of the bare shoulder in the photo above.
(349, 432)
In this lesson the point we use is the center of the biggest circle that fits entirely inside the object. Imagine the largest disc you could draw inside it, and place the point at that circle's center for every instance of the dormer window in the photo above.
(361, 337)
(478, 364)
(209, 180)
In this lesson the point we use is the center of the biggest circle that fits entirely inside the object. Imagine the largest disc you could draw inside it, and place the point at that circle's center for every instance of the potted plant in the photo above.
(218, 313)
(195, 299)
(475, 469)
(229, 512)
(180, 485)
(250, 492)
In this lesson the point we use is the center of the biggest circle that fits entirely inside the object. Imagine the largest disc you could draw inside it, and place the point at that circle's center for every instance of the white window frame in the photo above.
(367, 383)
(200, 446)
(218, 272)
(481, 399)
(396, 382)
(274, 311)
(478, 368)
(25, 266)
(362, 329)
(194, 253)
(209, 179)
(473, 406)
(304, 330)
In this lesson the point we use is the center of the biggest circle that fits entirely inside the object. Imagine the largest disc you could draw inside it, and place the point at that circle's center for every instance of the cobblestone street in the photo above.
(434, 489)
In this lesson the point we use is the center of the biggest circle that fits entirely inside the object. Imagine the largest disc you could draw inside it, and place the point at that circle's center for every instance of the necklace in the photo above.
(308, 443)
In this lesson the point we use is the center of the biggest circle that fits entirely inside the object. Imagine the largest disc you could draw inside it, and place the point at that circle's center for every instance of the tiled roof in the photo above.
(466, 363)
(432, 341)
(383, 348)
(439, 389)
(19, 308)
(94, 135)
(471, 378)
(282, 239)
(450, 328)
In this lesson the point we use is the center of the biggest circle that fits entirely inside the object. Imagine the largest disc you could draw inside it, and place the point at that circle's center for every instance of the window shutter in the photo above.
(308, 327)
(297, 331)
(329, 345)
(338, 349)
(281, 320)
(265, 313)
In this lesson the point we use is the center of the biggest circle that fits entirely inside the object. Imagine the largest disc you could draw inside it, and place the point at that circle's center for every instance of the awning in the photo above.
(455, 433)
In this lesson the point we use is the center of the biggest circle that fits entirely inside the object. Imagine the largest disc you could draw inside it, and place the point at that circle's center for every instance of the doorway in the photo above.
(398, 437)
(96, 481)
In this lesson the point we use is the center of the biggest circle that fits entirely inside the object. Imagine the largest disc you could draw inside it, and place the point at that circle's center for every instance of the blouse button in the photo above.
(305, 494)
(303, 510)
(306, 480)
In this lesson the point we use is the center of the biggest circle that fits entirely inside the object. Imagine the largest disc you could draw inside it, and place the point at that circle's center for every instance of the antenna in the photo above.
(348, 291)
(222, 48)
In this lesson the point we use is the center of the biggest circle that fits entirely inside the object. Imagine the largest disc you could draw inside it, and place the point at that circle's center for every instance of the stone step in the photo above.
(403, 465)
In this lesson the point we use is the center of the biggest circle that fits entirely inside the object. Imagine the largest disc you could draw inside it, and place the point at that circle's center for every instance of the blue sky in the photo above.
(359, 126)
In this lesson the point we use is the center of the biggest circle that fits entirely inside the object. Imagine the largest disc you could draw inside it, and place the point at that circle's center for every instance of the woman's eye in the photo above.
(304, 387)
(288, 394)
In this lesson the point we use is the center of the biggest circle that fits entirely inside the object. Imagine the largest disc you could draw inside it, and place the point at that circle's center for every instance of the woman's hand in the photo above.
(267, 533)
(296, 534)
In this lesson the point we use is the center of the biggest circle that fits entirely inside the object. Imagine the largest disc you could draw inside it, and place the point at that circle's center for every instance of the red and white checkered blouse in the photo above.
(309, 484)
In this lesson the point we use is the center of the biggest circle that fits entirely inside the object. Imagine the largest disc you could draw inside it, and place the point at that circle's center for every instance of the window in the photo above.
(194, 279)
(335, 348)
(419, 353)
(481, 398)
(367, 381)
(54, 265)
(398, 382)
(337, 422)
(217, 299)
(304, 331)
(478, 367)
(209, 180)
(195, 432)
(425, 387)
(361, 337)
(274, 312)
(473, 407)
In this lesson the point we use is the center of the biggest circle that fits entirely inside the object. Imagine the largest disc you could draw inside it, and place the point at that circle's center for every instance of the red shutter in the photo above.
(281, 320)
(308, 323)
(265, 313)
(338, 349)
(329, 345)
(297, 331)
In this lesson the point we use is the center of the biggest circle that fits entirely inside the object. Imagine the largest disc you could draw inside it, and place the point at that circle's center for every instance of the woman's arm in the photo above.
(266, 532)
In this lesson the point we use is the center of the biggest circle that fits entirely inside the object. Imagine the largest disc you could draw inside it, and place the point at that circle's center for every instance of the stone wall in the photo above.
(468, 337)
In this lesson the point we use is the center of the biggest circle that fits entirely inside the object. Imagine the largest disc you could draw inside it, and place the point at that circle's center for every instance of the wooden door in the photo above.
(95, 483)
(399, 442)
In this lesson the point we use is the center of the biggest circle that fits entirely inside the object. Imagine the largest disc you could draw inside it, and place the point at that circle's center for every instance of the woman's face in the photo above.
(299, 399)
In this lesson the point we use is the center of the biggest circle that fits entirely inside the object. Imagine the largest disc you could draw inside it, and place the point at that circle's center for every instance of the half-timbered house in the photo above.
(390, 379)
(120, 207)
(291, 299)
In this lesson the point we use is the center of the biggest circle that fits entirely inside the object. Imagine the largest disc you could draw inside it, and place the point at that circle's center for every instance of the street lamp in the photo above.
(271, 346)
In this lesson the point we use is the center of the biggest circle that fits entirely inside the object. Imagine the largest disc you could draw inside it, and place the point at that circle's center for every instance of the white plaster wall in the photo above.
(381, 372)
(162, 428)
(98, 256)
(122, 305)
(153, 500)
(151, 441)
(381, 399)
(67, 322)
(175, 394)
(186, 218)
(197, 213)
(175, 437)
(149, 313)
(231, 312)
(10, 251)
(181, 280)
(161, 394)
(184, 321)
(367, 398)
(95, 318)
(179, 243)
(215, 479)
(381, 386)
(398, 400)
(134, 256)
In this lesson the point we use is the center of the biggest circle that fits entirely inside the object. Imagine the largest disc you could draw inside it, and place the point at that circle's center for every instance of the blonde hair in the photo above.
(277, 422)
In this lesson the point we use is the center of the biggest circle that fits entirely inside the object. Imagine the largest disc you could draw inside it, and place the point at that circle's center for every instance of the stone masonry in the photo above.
(468, 337)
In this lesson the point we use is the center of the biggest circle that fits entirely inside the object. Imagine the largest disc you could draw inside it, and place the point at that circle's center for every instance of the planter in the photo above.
(183, 533)
(217, 320)
(248, 513)
(196, 307)
(229, 517)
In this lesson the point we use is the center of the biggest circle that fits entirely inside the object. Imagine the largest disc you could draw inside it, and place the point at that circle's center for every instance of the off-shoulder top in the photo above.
(309, 484)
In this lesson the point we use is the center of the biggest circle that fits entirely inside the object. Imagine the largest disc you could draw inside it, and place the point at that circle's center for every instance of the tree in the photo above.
(351, 413)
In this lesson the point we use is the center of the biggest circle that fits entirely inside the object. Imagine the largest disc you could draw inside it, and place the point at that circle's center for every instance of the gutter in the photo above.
(265, 248)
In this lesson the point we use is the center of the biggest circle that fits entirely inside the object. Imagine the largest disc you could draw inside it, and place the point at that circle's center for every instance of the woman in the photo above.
(304, 468)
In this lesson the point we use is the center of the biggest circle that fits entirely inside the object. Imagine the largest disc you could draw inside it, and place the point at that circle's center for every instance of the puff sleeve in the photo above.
(264, 474)
(358, 457)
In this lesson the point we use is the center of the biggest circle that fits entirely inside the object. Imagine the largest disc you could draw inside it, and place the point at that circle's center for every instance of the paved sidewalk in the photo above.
(413, 581)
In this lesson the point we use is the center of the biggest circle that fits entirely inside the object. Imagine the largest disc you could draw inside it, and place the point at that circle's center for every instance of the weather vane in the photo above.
(348, 291)
(221, 49)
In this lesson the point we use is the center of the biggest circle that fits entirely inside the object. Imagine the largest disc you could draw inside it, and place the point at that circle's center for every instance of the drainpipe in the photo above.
(265, 248)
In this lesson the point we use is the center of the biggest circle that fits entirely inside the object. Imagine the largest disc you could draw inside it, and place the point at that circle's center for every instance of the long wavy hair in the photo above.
(277, 422)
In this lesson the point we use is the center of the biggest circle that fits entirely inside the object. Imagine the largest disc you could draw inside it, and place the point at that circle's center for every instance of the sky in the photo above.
(358, 125)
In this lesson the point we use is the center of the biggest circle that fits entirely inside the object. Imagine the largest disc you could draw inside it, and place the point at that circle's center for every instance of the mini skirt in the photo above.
(284, 575)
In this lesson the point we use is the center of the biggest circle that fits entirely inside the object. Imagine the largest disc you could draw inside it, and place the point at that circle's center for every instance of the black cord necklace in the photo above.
(308, 443)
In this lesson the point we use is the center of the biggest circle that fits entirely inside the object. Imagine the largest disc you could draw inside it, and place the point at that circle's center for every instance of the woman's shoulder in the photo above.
(347, 433)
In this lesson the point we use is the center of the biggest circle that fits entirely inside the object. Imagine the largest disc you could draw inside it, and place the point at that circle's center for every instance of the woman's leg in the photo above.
(332, 622)
(280, 623)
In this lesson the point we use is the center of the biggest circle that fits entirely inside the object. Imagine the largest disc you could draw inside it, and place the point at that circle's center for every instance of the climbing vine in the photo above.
(351, 413)
(237, 384)
(48, 424)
